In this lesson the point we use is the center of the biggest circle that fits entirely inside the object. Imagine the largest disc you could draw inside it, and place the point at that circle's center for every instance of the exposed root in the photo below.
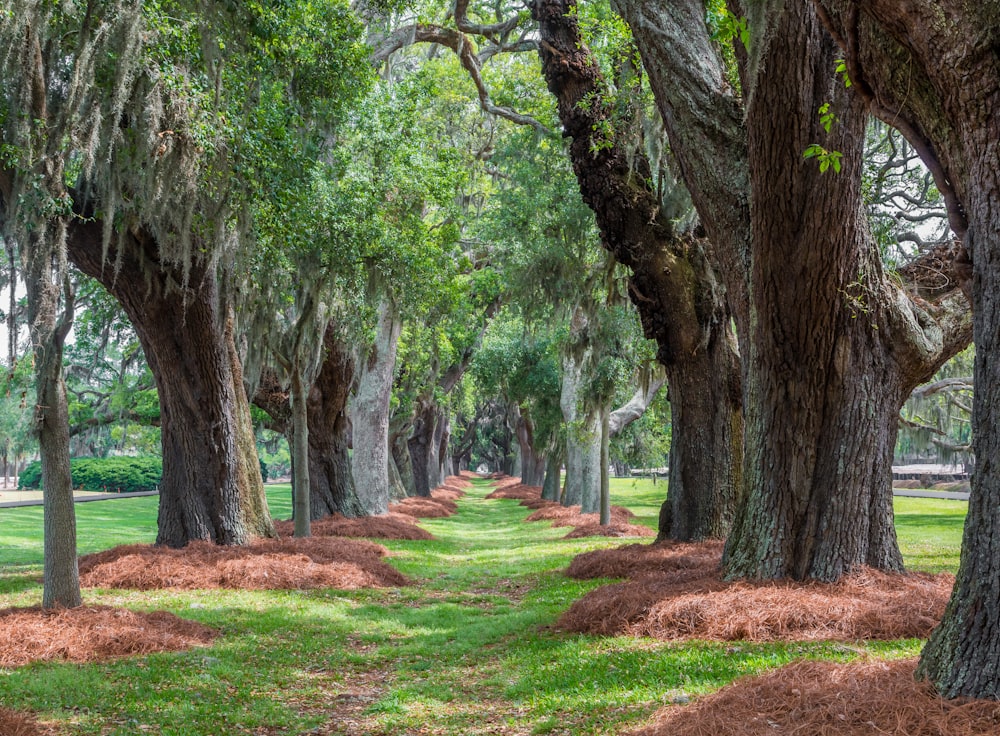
(92, 633)
(389, 526)
(269, 564)
(830, 699)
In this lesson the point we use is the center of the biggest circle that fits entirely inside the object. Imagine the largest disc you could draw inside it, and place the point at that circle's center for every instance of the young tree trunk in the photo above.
(61, 578)
(300, 454)
(369, 409)
(211, 487)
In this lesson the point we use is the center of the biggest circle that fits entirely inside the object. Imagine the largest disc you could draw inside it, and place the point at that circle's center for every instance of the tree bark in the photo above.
(369, 408)
(675, 283)
(532, 463)
(583, 441)
(211, 487)
(949, 109)
(553, 469)
(830, 344)
(300, 454)
(423, 447)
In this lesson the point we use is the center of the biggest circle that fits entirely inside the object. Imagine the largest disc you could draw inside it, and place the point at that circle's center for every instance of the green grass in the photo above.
(467, 650)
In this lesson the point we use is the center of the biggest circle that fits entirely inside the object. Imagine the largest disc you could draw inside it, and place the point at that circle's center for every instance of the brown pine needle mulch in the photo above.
(388, 526)
(686, 598)
(830, 699)
(424, 507)
(610, 530)
(14, 723)
(267, 564)
(517, 491)
(92, 633)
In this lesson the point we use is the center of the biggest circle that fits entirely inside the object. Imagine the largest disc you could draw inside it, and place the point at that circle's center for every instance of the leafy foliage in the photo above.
(108, 475)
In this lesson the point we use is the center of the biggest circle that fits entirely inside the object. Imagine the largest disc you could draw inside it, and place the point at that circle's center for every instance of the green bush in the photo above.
(104, 474)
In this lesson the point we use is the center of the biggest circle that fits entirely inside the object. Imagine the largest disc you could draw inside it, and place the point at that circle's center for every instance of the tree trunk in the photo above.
(61, 578)
(300, 454)
(705, 486)
(553, 470)
(583, 442)
(675, 283)
(370, 414)
(532, 463)
(211, 487)
(831, 345)
(605, 481)
(422, 446)
(401, 467)
(949, 109)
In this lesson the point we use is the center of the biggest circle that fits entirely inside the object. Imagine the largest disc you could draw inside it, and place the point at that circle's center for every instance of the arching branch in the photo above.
(464, 49)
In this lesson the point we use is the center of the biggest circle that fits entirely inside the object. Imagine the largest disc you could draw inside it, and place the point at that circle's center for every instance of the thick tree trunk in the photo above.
(211, 487)
(551, 487)
(331, 483)
(423, 447)
(831, 346)
(532, 463)
(706, 448)
(674, 285)
(369, 408)
(401, 467)
(583, 441)
(947, 103)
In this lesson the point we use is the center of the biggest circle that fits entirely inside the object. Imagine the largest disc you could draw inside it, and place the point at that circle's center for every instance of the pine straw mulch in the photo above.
(424, 508)
(676, 592)
(829, 699)
(92, 633)
(388, 526)
(267, 564)
(587, 525)
(517, 491)
(15, 723)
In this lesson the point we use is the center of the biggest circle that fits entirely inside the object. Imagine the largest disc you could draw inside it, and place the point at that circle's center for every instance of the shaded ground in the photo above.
(13, 723)
(829, 699)
(676, 592)
(92, 633)
(268, 564)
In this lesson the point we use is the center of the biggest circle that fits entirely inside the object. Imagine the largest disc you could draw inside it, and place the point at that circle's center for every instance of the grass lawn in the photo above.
(465, 651)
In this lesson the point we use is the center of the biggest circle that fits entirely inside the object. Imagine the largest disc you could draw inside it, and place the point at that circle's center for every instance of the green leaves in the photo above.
(827, 159)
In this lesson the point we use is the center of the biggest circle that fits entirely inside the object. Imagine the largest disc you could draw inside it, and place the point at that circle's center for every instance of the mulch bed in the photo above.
(92, 633)
(517, 491)
(594, 529)
(424, 508)
(676, 592)
(388, 526)
(268, 564)
(14, 723)
(829, 699)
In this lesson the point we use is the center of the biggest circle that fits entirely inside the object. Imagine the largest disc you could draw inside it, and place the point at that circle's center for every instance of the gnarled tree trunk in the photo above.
(211, 487)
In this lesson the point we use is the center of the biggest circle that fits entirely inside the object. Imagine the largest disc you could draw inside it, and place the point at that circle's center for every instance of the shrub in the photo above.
(104, 474)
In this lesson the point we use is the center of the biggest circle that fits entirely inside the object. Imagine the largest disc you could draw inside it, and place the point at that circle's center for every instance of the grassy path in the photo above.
(467, 650)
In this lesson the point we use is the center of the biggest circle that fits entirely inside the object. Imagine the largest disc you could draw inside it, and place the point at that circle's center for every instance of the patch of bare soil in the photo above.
(424, 508)
(517, 491)
(830, 699)
(388, 526)
(677, 593)
(92, 633)
(15, 723)
(268, 564)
